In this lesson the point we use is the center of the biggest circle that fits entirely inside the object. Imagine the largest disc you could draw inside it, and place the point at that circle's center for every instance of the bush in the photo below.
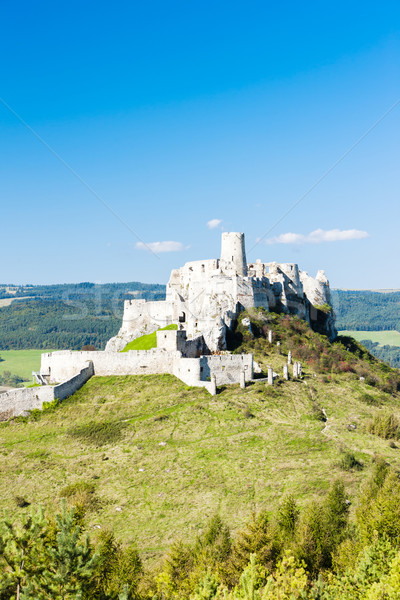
(386, 425)
(369, 399)
(318, 413)
(82, 495)
(350, 463)
(21, 502)
(161, 417)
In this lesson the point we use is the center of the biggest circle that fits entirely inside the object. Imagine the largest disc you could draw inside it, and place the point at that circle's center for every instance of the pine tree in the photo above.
(288, 516)
(117, 568)
(256, 538)
(21, 552)
(70, 563)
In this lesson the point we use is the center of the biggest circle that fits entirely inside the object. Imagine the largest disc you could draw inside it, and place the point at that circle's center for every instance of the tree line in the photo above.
(366, 310)
(69, 316)
(315, 552)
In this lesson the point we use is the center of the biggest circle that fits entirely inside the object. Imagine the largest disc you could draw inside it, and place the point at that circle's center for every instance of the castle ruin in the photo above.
(206, 297)
(204, 300)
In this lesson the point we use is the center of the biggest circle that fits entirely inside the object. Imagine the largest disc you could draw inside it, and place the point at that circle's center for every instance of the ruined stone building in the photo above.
(205, 298)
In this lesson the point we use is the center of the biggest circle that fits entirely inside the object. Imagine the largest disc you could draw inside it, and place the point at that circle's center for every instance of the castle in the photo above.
(204, 300)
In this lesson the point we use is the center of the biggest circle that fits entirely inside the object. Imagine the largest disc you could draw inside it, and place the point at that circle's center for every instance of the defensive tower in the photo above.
(233, 253)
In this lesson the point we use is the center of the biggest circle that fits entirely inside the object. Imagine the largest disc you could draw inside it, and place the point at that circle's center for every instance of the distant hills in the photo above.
(372, 313)
(66, 316)
(367, 310)
(74, 315)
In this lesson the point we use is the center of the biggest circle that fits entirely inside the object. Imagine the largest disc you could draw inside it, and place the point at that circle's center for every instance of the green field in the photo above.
(21, 362)
(391, 338)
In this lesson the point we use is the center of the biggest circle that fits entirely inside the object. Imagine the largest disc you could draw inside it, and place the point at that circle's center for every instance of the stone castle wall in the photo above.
(63, 365)
(21, 401)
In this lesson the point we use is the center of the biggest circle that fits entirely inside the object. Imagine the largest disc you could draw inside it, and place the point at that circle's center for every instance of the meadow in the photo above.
(391, 338)
(159, 458)
(21, 362)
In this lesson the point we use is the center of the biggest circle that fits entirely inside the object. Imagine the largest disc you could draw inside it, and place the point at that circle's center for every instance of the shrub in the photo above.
(318, 413)
(248, 414)
(82, 495)
(350, 463)
(162, 417)
(369, 399)
(386, 425)
(98, 433)
(21, 502)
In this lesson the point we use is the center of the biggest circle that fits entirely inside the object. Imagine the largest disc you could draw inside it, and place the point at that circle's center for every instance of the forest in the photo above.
(68, 316)
(321, 551)
(366, 310)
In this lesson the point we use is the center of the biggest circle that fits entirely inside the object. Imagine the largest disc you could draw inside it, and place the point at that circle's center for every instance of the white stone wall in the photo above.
(69, 387)
(226, 367)
(22, 400)
(171, 340)
(187, 370)
(65, 364)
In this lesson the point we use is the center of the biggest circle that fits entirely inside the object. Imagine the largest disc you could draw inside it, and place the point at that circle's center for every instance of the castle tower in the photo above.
(233, 253)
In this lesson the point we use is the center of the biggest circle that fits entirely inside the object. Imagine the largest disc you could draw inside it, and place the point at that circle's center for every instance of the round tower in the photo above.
(233, 253)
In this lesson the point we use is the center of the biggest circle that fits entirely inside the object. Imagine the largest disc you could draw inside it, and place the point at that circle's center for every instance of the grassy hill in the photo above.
(151, 458)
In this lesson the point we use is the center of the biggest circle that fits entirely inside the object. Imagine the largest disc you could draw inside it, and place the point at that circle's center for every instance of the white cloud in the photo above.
(159, 247)
(214, 223)
(319, 236)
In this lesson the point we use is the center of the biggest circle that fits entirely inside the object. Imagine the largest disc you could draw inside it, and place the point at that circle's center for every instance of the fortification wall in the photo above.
(63, 365)
(154, 313)
(69, 387)
(226, 367)
(21, 401)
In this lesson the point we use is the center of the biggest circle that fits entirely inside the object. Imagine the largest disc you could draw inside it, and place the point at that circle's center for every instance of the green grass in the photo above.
(171, 456)
(21, 362)
(146, 342)
(391, 338)
(153, 457)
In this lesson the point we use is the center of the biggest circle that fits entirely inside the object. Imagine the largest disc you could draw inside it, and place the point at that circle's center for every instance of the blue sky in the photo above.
(180, 113)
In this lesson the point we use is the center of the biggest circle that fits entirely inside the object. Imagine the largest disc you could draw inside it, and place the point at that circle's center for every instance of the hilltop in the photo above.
(152, 458)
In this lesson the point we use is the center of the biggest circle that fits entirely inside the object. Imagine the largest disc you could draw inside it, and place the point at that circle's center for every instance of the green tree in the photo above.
(117, 568)
(322, 528)
(21, 552)
(70, 562)
(258, 537)
(288, 516)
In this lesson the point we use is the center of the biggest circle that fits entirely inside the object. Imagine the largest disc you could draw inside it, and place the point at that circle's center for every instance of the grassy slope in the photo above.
(392, 338)
(238, 451)
(146, 342)
(21, 362)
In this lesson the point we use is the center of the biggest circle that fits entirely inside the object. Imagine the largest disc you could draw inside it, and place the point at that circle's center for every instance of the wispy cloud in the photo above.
(319, 236)
(159, 247)
(213, 224)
